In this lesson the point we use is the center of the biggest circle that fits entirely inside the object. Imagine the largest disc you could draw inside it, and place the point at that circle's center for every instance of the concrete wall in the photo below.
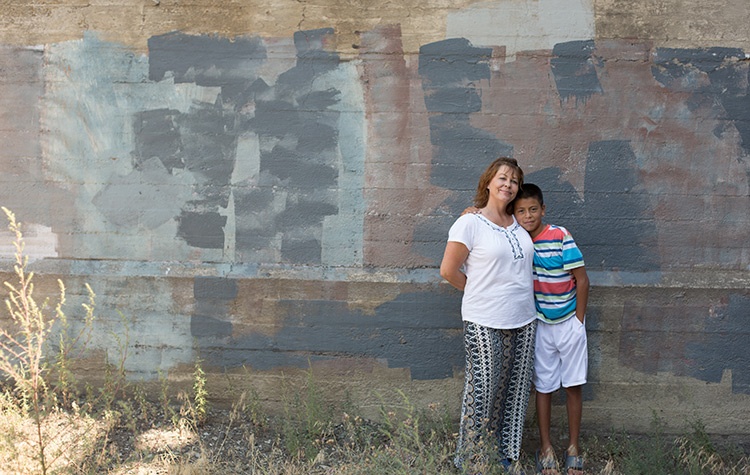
(269, 184)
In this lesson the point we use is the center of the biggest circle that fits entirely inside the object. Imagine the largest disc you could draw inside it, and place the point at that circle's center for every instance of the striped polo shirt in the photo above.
(555, 255)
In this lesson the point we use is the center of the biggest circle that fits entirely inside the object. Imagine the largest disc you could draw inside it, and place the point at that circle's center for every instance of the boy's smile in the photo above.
(529, 213)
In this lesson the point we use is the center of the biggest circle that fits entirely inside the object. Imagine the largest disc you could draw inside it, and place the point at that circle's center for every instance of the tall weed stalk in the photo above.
(24, 347)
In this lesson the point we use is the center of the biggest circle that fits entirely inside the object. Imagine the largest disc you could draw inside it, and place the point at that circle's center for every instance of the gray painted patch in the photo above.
(573, 67)
(213, 296)
(304, 214)
(301, 250)
(209, 145)
(293, 118)
(450, 70)
(420, 331)
(461, 151)
(149, 196)
(204, 230)
(564, 206)
(214, 288)
(157, 135)
(203, 326)
(313, 59)
(297, 126)
(725, 346)
(453, 99)
(205, 60)
(453, 61)
(431, 232)
(728, 74)
(618, 229)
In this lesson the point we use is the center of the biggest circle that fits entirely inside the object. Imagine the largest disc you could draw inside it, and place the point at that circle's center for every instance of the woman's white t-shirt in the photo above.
(499, 290)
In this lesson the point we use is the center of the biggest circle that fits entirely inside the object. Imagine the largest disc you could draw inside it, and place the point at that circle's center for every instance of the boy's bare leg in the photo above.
(574, 396)
(544, 417)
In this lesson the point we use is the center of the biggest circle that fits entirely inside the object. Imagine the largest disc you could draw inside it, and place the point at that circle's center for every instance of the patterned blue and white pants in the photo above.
(499, 365)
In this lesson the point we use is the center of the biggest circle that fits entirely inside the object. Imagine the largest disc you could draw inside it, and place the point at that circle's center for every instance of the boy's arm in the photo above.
(582, 291)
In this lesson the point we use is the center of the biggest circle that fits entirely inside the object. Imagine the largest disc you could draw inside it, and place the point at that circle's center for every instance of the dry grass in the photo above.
(239, 441)
(69, 440)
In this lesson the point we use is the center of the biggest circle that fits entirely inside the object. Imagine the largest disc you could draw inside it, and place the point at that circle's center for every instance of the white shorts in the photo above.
(561, 356)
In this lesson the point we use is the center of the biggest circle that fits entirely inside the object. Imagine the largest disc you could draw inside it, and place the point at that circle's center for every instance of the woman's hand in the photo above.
(471, 210)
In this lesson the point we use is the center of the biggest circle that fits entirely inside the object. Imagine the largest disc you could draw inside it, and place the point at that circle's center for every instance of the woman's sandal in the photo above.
(573, 462)
(546, 465)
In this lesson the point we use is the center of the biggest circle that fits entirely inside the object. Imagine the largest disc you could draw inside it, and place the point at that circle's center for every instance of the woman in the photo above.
(489, 257)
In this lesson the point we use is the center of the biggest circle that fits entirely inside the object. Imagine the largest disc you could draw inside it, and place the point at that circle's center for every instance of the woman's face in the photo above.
(504, 186)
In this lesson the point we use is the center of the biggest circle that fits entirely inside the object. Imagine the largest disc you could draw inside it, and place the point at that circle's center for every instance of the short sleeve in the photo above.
(572, 257)
(463, 231)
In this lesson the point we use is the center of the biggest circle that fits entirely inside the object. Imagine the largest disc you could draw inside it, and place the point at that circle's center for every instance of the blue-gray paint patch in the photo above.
(301, 250)
(728, 75)
(563, 205)
(204, 229)
(299, 119)
(209, 145)
(453, 100)
(215, 288)
(724, 346)
(204, 326)
(672, 66)
(157, 135)
(431, 232)
(213, 296)
(201, 141)
(313, 60)
(149, 196)
(304, 214)
(205, 60)
(295, 168)
(452, 62)
(450, 71)
(294, 119)
(420, 331)
(574, 70)
(618, 229)
(461, 151)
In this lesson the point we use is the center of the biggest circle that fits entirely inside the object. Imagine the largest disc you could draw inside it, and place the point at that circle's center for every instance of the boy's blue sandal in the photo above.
(546, 464)
(573, 462)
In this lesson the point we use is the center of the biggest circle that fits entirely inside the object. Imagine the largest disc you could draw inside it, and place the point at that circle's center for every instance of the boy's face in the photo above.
(529, 213)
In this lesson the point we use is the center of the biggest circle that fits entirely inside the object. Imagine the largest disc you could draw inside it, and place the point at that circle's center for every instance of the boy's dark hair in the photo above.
(530, 190)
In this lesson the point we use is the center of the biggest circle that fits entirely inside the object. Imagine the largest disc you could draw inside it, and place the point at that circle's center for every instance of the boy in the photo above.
(561, 289)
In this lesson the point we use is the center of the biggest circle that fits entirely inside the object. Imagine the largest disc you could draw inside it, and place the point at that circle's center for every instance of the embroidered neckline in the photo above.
(510, 235)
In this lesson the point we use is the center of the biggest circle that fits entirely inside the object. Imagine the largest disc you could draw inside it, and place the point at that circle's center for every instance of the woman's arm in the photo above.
(450, 269)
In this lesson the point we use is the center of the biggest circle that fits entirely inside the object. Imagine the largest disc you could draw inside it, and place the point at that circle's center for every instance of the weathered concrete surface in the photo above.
(269, 186)
(670, 23)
